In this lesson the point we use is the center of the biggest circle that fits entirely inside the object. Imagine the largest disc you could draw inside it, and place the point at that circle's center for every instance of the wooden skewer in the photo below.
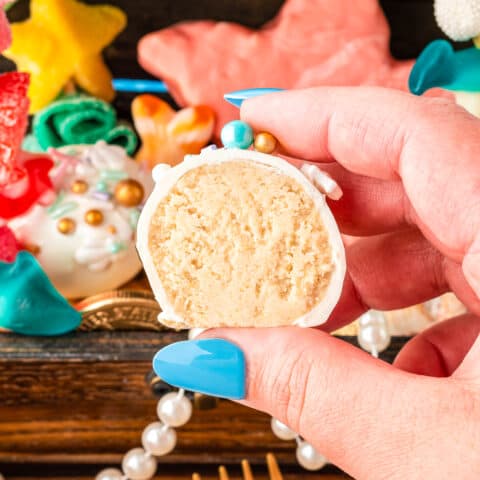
(223, 474)
(196, 476)
(273, 469)
(247, 471)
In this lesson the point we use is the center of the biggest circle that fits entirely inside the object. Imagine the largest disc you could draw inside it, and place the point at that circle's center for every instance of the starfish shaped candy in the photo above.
(309, 43)
(63, 40)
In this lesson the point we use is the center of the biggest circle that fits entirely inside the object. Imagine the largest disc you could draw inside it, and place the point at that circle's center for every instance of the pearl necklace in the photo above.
(174, 410)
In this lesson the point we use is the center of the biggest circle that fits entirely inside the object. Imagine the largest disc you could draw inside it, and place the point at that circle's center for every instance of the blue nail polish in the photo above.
(440, 66)
(29, 303)
(237, 98)
(211, 366)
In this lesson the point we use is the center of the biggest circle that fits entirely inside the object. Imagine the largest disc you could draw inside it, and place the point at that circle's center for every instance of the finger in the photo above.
(440, 350)
(368, 206)
(431, 145)
(393, 271)
(355, 410)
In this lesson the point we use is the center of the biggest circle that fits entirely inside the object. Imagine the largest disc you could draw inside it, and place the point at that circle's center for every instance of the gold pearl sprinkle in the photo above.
(265, 142)
(66, 226)
(94, 218)
(129, 193)
(79, 187)
(111, 229)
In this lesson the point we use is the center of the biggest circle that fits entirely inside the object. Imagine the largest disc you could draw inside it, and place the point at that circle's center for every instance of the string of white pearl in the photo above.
(159, 438)
(373, 336)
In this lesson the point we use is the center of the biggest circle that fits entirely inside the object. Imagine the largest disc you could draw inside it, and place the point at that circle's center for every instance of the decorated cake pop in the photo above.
(235, 237)
(167, 136)
(309, 43)
(63, 40)
(85, 238)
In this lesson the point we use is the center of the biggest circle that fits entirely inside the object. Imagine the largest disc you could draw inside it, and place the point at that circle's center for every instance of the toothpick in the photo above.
(273, 469)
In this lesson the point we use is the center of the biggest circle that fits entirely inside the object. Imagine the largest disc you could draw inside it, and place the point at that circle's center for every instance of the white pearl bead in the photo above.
(158, 439)
(174, 410)
(137, 464)
(281, 430)
(373, 333)
(309, 458)
(107, 474)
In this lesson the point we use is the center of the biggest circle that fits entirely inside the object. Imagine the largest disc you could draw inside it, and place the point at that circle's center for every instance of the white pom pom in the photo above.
(459, 19)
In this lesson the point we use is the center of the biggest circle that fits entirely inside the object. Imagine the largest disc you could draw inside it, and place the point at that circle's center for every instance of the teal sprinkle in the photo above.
(56, 203)
(134, 215)
(101, 186)
(117, 247)
(63, 209)
(113, 175)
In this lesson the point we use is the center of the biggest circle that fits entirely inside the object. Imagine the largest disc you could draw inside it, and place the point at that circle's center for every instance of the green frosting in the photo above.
(29, 303)
(79, 119)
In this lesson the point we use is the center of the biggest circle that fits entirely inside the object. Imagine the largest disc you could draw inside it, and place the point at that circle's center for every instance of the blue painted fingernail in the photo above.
(211, 366)
(237, 98)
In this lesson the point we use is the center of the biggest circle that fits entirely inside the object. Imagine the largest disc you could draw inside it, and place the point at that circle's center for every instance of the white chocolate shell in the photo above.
(165, 214)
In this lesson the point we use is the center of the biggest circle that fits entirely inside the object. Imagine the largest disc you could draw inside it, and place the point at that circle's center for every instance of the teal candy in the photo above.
(30, 144)
(80, 119)
(211, 366)
(440, 66)
(237, 134)
(29, 303)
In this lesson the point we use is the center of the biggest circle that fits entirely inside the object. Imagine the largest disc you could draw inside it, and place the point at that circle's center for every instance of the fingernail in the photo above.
(210, 366)
(236, 98)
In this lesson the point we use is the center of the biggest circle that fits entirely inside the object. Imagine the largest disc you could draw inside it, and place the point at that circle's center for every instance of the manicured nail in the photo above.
(237, 98)
(211, 366)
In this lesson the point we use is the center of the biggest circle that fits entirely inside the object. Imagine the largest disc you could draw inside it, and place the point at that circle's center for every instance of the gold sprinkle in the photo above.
(94, 218)
(265, 142)
(111, 229)
(79, 187)
(66, 226)
(129, 193)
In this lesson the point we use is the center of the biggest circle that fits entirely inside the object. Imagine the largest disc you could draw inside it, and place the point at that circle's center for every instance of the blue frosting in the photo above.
(441, 66)
(29, 303)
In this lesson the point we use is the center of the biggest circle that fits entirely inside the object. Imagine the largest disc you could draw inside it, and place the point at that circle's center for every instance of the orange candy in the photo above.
(167, 136)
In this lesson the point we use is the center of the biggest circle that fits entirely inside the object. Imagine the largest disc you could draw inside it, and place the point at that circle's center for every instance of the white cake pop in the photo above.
(85, 238)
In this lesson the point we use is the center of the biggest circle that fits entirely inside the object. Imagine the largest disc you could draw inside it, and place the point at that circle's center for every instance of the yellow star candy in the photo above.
(62, 41)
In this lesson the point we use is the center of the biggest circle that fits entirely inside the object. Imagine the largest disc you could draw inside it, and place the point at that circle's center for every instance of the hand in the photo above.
(410, 171)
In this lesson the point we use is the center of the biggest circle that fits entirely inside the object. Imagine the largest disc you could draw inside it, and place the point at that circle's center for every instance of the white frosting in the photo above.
(166, 178)
(92, 259)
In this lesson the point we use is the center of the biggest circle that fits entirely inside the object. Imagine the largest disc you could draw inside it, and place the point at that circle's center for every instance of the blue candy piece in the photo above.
(29, 303)
(237, 134)
(440, 66)
(237, 98)
(139, 85)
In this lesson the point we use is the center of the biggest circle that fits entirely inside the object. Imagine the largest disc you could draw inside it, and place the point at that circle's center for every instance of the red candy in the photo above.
(23, 181)
(9, 246)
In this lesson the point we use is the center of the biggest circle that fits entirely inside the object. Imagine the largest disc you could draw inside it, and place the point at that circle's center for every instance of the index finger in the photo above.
(431, 145)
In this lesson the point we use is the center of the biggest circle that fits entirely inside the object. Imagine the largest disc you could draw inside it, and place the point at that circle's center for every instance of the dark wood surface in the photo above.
(78, 402)
(69, 406)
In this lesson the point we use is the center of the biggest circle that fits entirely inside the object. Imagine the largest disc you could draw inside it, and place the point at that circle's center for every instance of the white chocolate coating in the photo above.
(166, 179)
(91, 259)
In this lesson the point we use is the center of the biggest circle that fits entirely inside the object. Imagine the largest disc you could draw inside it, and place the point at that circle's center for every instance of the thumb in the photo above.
(357, 411)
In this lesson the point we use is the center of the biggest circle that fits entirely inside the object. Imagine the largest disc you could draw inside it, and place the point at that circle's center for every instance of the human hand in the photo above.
(410, 172)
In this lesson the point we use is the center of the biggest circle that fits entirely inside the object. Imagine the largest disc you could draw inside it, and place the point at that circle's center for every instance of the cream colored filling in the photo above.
(239, 244)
